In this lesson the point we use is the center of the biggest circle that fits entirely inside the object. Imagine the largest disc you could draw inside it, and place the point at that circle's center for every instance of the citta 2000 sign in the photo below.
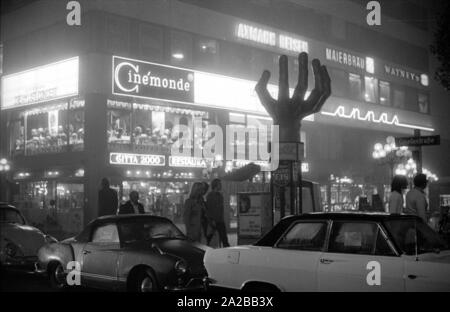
(135, 78)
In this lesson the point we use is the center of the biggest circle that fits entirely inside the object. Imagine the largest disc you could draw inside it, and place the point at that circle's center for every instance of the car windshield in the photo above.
(148, 229)
(11, 216)
(407, 231)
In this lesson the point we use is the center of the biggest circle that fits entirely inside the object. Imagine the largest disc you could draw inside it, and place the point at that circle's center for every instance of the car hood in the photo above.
(28, 238)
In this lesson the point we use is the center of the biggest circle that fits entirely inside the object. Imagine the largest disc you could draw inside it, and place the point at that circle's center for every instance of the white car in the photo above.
(336, 252)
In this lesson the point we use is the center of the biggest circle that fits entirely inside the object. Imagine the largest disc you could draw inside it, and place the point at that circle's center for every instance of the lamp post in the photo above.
(5, 167)
(390, 154)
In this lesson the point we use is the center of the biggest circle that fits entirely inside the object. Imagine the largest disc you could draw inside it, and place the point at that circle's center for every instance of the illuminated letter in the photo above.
(74, 16)
(214, 144)
(117, 80)
(374, 16)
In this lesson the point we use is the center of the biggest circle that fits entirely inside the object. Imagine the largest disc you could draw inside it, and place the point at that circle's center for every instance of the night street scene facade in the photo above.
(209, 146)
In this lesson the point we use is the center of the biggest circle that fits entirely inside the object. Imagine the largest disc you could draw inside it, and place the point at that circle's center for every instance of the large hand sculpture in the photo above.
(288, 112)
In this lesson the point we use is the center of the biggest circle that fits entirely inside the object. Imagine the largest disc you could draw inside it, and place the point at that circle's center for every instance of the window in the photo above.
(106, 234)
(151, 42)
(382, 247)
(181, 44)
(11, 216)
(339, 79)
(147, 229)
(411, 99)
(399, 97)
(76, 125)
(305, 236)
(423, 103)
(206, 53)
(46, 129)
(17, 135)
(355, 87)
(371, 89)
(353, 237)
(405, 233)
(385, 93)
(119, 122)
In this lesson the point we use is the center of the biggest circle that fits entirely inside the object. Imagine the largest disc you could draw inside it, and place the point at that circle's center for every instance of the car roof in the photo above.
(6, 205)
(114, 218)
(352, 216)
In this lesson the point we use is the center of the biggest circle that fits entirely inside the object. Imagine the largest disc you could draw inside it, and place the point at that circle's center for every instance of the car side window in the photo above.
(353, 237)
(106, 234)
(304, 236)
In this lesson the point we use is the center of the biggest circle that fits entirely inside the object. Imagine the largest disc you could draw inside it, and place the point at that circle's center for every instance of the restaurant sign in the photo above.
(184, 161)
(134, 78)
(41, 84)
(136, 159)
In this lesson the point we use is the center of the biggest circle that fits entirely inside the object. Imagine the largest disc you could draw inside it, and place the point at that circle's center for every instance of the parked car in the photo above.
(139, 253)
(19, 242)
(337, 252)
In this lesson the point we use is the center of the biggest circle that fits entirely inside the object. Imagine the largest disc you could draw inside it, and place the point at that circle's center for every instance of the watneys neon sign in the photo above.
(370, 116)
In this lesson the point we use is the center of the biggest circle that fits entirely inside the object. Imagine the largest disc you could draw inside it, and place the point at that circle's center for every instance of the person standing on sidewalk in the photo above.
(215, 212)
(416, 201)
(108, 201)
(193, 210)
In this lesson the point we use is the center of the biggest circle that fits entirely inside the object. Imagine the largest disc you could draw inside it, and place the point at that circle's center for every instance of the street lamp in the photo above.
(390, 154)
(4, 165)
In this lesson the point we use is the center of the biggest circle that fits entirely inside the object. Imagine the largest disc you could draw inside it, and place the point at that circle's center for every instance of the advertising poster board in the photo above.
(255, 216)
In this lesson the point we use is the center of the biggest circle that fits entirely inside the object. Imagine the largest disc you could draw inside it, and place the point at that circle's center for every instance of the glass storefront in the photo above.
(54, 207)
(49, 128)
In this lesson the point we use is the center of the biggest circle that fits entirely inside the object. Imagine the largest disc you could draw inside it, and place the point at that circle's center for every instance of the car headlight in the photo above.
(50, 239)
(12, 250)
(181, 267)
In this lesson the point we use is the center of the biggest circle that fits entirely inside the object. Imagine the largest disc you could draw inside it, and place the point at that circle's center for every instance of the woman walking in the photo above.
(398, 186)
(193, 211)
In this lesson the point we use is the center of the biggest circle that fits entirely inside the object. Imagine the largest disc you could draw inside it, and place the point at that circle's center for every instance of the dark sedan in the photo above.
(129, 252)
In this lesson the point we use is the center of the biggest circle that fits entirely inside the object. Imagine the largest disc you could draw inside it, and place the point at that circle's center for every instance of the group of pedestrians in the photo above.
(203, 212)
(416, 201)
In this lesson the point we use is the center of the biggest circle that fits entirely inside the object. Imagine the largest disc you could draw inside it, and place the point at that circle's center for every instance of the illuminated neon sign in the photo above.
(371, 117)
(270, 38)
(189, 162)
(41, 84)
(136, 159)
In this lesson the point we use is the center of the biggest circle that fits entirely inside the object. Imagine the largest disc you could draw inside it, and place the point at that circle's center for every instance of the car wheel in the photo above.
(57, 276)
(145, 282)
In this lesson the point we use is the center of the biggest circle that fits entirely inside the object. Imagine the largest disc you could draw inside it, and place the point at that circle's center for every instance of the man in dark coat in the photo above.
(108, 200)
(215, 212)
(132, 206)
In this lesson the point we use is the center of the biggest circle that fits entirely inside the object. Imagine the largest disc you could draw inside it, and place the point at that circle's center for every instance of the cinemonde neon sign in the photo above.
(370, 116)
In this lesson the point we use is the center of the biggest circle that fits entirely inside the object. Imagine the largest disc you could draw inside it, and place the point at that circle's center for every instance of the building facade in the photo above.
(80, 103)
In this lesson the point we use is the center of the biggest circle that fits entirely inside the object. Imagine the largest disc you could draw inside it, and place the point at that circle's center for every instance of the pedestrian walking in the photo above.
(193, 210)
(108, 201)
(132, 206)
(398, 186)
(416, 201)
(215, 212)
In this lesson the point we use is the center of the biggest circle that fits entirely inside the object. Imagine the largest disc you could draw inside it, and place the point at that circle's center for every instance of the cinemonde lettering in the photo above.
(137, 79)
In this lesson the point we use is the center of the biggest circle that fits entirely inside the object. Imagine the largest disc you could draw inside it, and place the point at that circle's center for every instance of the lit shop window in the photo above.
(154, 125)
(46, 129)
(371, 89)
(355, 86)
(399, 98)
(76, 125)
(119, 122)
(17, 134)
(423, 103)
(385, 93)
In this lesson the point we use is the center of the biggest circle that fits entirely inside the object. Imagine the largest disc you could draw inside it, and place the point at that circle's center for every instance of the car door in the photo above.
(291, 264)
(100, 257)
(429, 270)
(358, 256)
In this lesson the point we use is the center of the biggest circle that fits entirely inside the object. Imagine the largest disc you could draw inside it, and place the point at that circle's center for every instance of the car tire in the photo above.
(145, 281)
(57, 276)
